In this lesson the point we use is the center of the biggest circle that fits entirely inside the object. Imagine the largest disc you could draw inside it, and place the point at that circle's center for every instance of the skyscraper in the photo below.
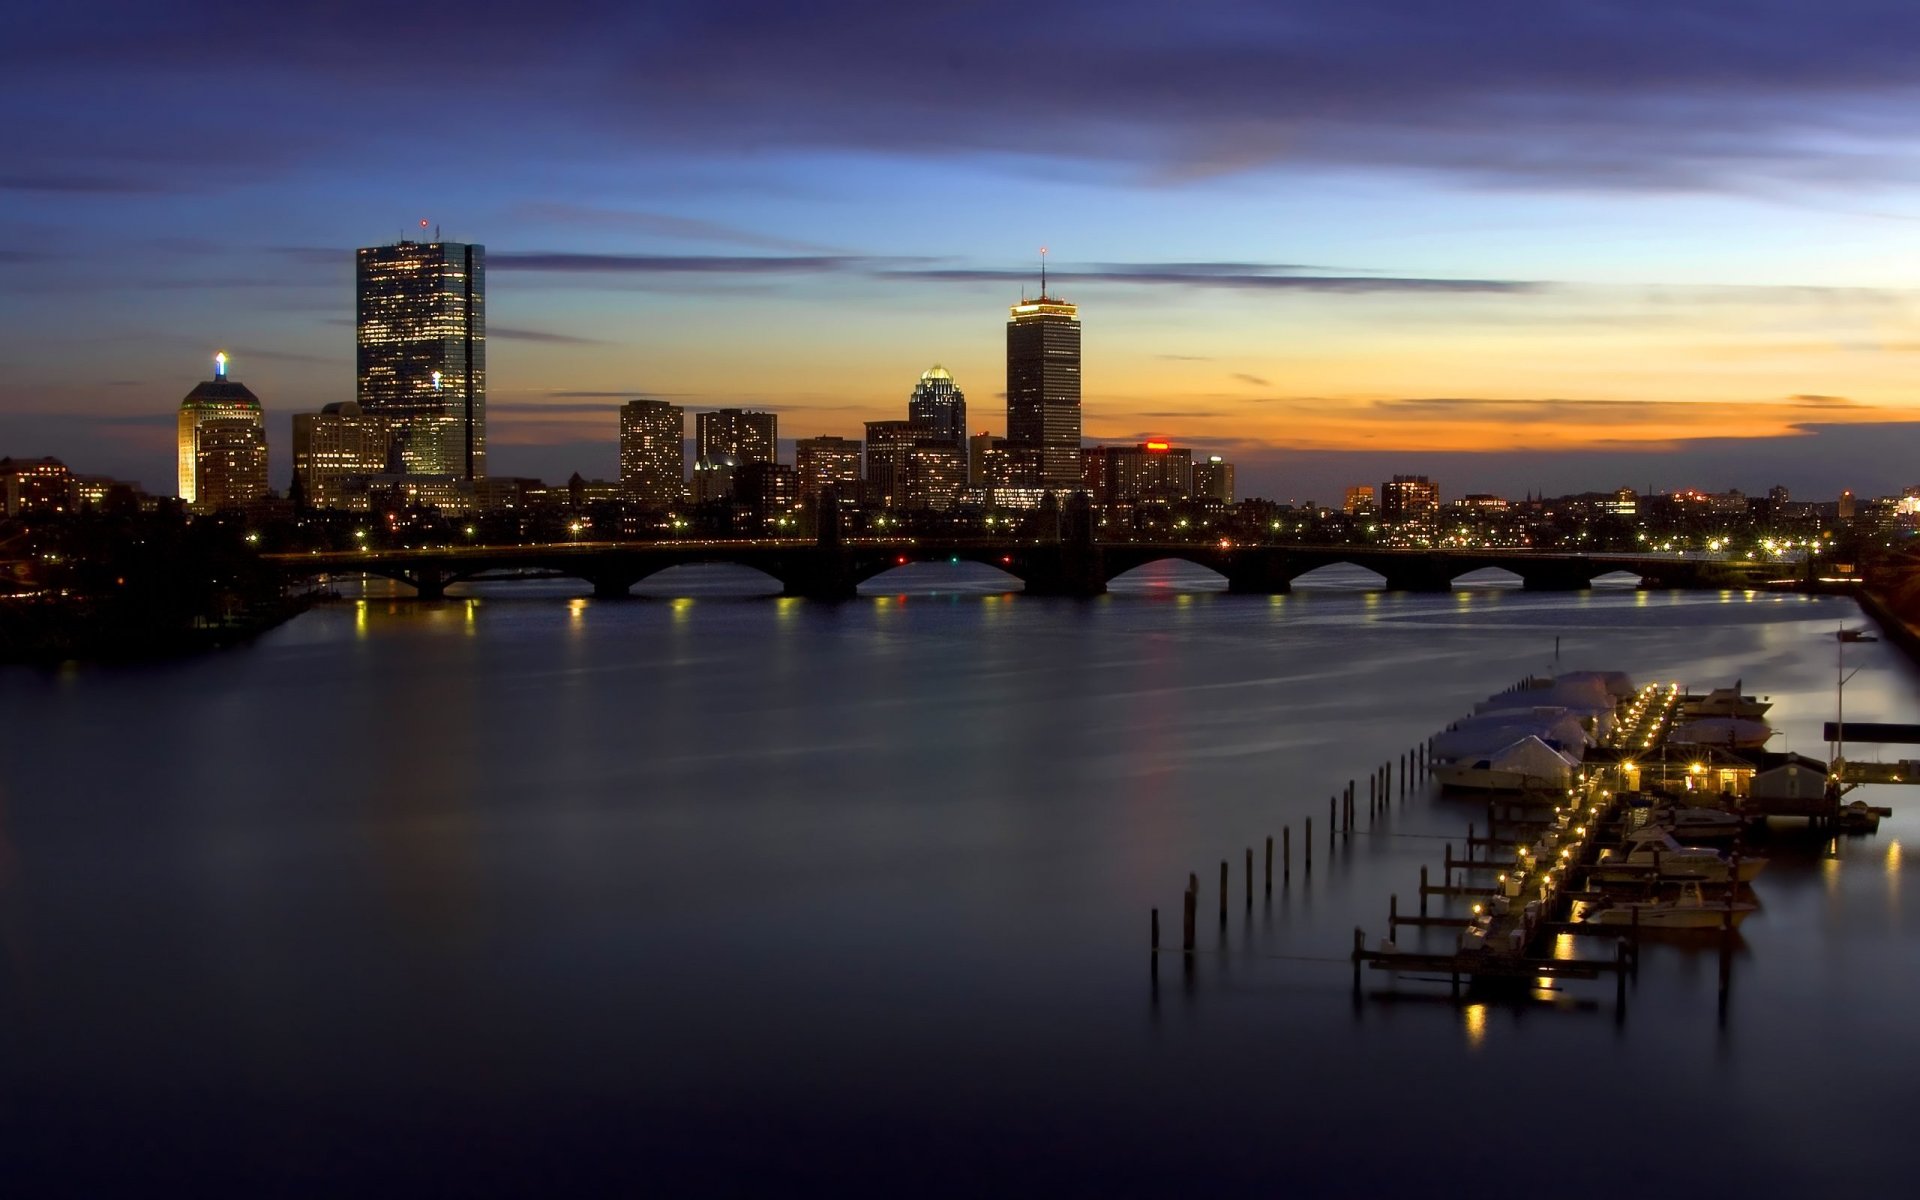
(939, 408)
(737, 434)
(222, 443)
(421, 329)
(820, 463)
(888, 444)
(1043, 386)
(334, 445)
(652, 453)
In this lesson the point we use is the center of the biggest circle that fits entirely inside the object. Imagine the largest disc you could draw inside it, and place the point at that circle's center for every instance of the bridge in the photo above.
(829, 568)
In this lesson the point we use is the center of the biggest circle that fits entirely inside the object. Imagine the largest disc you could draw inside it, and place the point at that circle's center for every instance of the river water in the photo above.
(700, 895)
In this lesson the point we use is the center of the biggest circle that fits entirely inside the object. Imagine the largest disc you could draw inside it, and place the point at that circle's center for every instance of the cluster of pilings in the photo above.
(1404, 773)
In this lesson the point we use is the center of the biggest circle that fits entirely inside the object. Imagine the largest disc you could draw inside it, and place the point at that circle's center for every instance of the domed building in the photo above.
(939, 408)
(222, 444)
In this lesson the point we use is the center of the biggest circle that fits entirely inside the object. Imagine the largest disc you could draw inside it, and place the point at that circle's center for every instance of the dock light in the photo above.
(1476, 910)
(1698, 769)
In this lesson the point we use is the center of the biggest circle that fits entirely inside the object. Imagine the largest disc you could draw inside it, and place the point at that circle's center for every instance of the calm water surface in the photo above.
(526, 892)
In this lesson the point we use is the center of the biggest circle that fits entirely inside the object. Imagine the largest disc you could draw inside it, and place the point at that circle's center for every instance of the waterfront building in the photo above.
(1043, 386)
(1359, 500)
(1002, 476)
(769, 490)
(939, 408)
(1409, 498)
(887, 445)
(1146, 472)
(35, 485)
(1844, 511)
(936, 472)
(652, 454)
(741, 435)
(238, 462)
(420, 331)
(507, 493)
(820, 463)
(230, 464)
(334, 445)
(1213, 480)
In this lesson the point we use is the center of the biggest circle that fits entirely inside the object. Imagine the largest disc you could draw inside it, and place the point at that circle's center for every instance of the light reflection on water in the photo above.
(756, 894)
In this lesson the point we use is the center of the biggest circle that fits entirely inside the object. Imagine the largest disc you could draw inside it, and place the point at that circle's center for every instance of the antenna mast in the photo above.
(1043, 272)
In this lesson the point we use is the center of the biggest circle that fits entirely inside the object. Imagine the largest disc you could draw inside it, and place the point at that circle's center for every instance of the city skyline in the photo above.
(1573, 277)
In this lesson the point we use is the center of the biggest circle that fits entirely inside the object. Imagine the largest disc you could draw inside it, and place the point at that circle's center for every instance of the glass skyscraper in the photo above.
(940, 408)
(421, 329)
(1043, 388)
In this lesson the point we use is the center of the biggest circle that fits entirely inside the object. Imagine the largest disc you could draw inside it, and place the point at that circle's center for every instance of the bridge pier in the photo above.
(1538, 580)
(427, 583)
(1258, 573)
(1418, 577)
(611, 587)
(824, 574)
(1064, 569)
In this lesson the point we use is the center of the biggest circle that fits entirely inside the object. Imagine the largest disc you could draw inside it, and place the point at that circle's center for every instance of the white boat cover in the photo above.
(1589, 698)
(1477, 737)
(1534, 759)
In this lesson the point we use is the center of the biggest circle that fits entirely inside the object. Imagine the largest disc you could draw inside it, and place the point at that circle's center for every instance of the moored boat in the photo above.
(1727, 702)
(1688, 910)
(1653, 854)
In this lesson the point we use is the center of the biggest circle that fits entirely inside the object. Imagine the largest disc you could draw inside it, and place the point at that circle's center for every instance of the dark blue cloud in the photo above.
(1586, 93)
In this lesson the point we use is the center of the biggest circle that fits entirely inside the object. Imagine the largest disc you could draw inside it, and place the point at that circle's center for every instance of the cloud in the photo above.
(671, 264)
(1570, 94)
(665, 225)
(1255, 380)
(507, 333)
(1240, 276)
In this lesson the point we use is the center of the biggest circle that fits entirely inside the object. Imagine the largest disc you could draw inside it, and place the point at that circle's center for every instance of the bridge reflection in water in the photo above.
(833, 569)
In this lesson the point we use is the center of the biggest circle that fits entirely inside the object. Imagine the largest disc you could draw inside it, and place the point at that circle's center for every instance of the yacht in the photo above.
(1653, 853)
(1688, 910)
(1706, 824)
(1727, 702)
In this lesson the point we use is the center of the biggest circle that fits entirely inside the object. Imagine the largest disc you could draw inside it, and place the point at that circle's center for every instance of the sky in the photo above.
(1551, 245)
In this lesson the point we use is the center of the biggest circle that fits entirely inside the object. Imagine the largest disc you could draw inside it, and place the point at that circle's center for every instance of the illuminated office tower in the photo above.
(820, 463)
(939, 408)
(222, 443)
(338, 443)
(652, 453)
(231, 463)
(732, 433)
(1213, 479)
(421, 330)
(1043, 386)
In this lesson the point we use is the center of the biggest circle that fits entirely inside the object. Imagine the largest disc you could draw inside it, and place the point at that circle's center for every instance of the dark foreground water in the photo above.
(523, 893)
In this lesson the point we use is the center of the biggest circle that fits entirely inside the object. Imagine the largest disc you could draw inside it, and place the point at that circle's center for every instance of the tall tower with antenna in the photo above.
(1043, 387)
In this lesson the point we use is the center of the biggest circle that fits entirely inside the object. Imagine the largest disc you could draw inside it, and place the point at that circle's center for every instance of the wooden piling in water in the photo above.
(1186, 918)
(1269, 864)
(1249, 878)
(1423, 889)
(1286, 855)
(1308, 843)
(1223, 893)
(1393, 914)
